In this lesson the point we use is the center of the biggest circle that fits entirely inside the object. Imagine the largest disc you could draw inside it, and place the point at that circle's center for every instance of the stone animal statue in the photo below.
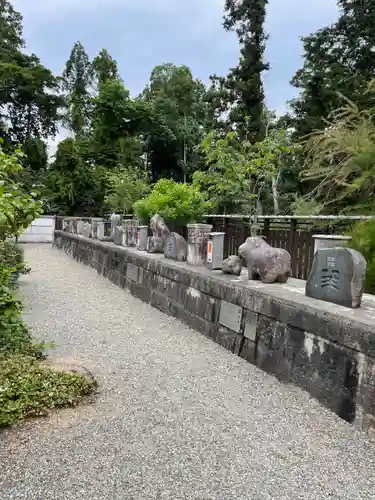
(232, 265)
(160, 233)
(264, 262)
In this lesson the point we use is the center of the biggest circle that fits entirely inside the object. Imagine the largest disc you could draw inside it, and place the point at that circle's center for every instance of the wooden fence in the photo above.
(294, 234)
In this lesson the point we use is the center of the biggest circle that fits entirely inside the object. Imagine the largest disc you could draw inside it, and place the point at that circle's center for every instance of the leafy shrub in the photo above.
(173, 201)
(125, 188)
(363, 240)
(28, 388)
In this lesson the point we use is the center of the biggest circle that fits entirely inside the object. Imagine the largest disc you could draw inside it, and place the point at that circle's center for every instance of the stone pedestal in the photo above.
(115, 221)
(197, 243)
(100, 230)
(329, 241)
(94, 226)
(131, 232)
(215, 250)
(142, 238)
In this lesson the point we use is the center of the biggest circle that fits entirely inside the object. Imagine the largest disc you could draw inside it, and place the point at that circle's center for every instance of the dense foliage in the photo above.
(363, 240)
(174, 201)
(27, 388)
(220, 138)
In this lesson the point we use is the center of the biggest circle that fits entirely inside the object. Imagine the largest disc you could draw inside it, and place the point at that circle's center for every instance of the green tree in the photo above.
(338, 60)
(339, 166)
(241, 93)
(178, 121)
(77, 78)
(104, 68)
(124, 188)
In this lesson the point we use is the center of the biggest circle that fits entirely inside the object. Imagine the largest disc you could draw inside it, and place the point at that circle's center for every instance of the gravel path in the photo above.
(177, 416)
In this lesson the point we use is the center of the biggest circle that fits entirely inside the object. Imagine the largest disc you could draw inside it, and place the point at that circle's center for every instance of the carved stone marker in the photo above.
(175, 248)
(80, 227)
(264, 262)
(87, 230)
(160, 233)
(337, 275)
(232, 265)
(197, 243)
(117, 235)
(115, 221)
(131, 232)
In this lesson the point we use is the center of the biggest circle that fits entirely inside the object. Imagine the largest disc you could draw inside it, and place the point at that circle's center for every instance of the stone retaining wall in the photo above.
(326, 349)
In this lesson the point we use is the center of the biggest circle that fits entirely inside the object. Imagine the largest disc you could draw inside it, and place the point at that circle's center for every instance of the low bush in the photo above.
(173, 201)
(29, 388)
(363, 240)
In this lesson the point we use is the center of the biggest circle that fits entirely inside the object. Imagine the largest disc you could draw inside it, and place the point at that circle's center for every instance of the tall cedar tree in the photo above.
(77, 81)
(338, 59)
(244, 82)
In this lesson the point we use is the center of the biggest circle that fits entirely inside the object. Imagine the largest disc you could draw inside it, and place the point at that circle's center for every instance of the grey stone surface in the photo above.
(160, 232)
(337, 275)
(177, 417)
(230, 316)
(197, 243)
(264, 262)
(232, 265)
(175, 247)
(251, 325)
(117, 235)
(132, 272)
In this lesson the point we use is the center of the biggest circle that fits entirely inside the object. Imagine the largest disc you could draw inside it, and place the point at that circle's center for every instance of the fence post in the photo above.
(292, 246)
(266, 228)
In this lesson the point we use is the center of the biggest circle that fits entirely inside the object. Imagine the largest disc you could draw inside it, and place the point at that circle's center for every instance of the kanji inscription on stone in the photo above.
(337, 275)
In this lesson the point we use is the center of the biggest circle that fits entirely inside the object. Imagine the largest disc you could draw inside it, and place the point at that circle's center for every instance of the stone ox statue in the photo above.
(160, 233)
(264, 262)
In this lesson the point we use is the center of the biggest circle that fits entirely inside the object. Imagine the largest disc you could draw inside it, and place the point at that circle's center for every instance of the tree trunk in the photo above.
(275, 196)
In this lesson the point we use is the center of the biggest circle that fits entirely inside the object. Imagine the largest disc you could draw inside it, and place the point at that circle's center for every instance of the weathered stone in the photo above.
(80, 227)
(197, 243)
(232, 265)
(117, 235)
(95, 221)
(87, 229)
(115, 221)
(230, 316)
(100, 231)
(160, 233)
(337, 275)
(142, 238)
(175, 247)
(264, 262)
(130, 231)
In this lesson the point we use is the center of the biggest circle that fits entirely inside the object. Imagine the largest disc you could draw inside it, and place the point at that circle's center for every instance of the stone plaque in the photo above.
(132, 272)
(230, 316)
(251, 324)
(175, 247)
(337, 275)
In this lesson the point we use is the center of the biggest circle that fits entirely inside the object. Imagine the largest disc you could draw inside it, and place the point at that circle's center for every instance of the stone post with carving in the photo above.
(197, 243)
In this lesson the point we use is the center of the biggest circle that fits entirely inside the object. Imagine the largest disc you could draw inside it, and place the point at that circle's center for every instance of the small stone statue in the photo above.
(160, 234)
(232, 265)
(264, 262)
(175, 248)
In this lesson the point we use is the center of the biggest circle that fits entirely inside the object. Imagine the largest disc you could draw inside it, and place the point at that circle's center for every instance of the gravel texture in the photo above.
(176, 417)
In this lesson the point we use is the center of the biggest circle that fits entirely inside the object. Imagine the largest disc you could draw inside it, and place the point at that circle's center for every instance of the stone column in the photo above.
(142, 238)
(197, 243)
(131, 232)
(100, 231)
(115, 221)
(94, 226)
(329, 241)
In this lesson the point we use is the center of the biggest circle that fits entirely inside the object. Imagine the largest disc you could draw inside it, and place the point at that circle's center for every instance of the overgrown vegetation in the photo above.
(221, 138)
(363, 240)
(27, 387)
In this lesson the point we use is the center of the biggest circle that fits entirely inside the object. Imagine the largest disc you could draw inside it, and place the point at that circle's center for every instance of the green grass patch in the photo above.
(29, 388)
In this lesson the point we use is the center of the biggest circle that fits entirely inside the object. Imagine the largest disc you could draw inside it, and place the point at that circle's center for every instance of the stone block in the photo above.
(251, 325)
(175, 248)
(230, 316)
(132, 272)
(338, 276)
